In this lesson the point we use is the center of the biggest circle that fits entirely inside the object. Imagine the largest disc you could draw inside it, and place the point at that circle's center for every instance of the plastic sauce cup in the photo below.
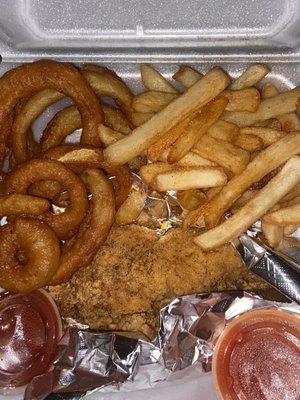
(257, 357)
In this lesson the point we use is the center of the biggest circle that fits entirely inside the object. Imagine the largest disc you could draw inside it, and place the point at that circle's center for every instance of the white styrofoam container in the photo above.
(122, 34)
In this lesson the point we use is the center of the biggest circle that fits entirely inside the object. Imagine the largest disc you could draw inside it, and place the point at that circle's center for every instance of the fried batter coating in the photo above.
(136, 272)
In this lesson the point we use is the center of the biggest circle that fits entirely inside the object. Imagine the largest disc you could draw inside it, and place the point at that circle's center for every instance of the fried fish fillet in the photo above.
(136, 272)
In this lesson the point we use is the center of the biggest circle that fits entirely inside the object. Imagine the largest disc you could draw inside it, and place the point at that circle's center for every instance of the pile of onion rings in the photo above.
(58, 200)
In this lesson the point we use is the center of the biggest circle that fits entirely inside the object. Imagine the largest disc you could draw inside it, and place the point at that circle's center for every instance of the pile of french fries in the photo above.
(230, 148)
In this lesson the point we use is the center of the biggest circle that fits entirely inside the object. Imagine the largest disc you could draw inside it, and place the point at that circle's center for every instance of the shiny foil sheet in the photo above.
(87, 361)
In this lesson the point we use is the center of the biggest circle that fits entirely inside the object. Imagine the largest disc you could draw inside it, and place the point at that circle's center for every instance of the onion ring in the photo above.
(68, 120)
(80, 251)
(92, 159)
(46, 189)
(62, 124)
(27, 114)
(44, 74)
(66, 223)
(17, 204)
(42, 251)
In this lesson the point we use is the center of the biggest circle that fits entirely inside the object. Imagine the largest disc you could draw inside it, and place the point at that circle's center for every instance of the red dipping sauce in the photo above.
(30, 327)
(257, 357)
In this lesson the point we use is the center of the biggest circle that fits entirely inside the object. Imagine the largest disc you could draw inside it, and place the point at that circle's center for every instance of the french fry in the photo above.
(272, 233)
(268, 90)
(153, 80)
(284, 216)
(131, 208)
(139, 118)
(269, 108)
(223, 153)
(272, 123)
(191, 199)
(207, 88)
(108, 135)
(152, 102)
(149, 172)
(183, 178)
(155, 151)
(294, 193)
(197, 127)
(252, 75)
(247, 99)
(267, 135)
(187, 76)
(116, 120)
(265, 162)
(245, 197)
(249, 142)
(224, 130)
(107, 83)
(267, 197)
(290, 121)
(192, 159)
(289, 229)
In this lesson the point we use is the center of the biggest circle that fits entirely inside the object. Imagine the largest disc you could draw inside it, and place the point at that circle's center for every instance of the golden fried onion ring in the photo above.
(40, 248)
(18, 204)
(78, 158)
(66, 223)
(79, 252)
(27, 114)
(45, 74)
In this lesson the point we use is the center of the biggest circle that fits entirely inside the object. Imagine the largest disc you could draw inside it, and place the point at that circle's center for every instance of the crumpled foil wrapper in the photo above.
(189, 329)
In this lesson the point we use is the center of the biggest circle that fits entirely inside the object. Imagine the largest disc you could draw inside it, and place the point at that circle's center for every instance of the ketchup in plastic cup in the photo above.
(30, 327)
(257, 357)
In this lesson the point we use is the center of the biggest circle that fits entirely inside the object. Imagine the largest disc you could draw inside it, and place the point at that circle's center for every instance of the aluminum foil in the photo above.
(189, 329)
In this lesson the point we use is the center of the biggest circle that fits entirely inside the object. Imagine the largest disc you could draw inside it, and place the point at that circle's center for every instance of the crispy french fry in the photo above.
(289, 229)
(139, 118)
(116, 120)
(212, 84)
(187, 76)
(267, 135)
(224, 130)
(153, 80)
(271, 123)
(197, 127)
(131, 208)
(250, 77)
(268, 90)
(272, 233)
(246, 196)
(152, 102)
(191, 199)
(290, 121)
(269, 108)
(265, 162)
(247, 99)
(149, 172)
(108, 135)
(183, 178)
(223, 153)
(249, 142)
(292, 195)
(192, 159)
(267, 197)
(155, 151)
(284, 216)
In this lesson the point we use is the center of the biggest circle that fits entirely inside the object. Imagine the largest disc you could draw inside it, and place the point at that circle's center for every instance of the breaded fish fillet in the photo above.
(136, 272)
